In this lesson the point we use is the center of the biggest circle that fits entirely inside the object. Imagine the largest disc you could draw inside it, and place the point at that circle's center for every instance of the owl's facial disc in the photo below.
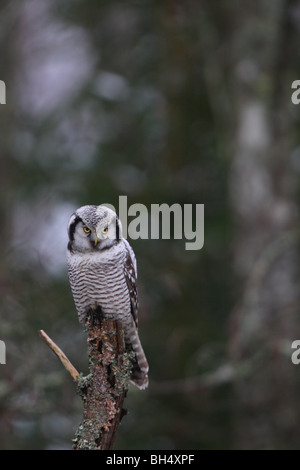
(94, 227)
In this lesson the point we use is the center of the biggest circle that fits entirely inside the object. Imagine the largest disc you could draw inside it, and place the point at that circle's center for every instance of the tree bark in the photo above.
(103, 391)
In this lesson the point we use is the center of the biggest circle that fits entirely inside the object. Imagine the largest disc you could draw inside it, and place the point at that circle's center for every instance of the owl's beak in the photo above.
(96, 241)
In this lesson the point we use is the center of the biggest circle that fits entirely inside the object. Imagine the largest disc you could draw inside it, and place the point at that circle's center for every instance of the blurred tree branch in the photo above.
(263, 194)
(224, 374)
(60, 354)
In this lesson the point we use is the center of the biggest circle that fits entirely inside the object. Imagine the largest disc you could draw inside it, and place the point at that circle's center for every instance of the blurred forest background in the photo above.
(164, 102)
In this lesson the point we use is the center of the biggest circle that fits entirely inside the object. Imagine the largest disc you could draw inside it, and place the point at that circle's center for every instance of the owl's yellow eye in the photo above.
(86, 230)
(105, 230)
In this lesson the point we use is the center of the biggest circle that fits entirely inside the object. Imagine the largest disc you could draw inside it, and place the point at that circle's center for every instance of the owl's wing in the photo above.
(130, 272)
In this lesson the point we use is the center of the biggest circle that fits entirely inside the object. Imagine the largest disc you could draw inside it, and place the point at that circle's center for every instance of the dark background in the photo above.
(164, 102)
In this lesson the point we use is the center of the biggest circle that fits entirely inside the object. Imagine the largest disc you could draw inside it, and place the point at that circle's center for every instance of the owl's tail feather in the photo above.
(139, 376)
(139, 380)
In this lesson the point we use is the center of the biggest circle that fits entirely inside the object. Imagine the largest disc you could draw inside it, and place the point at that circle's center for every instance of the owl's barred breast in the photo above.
(97, 280)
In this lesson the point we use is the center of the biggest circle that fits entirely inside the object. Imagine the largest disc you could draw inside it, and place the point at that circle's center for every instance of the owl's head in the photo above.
(93, 228)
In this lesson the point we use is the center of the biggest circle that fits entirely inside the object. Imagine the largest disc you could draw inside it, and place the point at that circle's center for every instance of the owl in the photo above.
(102, 272)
